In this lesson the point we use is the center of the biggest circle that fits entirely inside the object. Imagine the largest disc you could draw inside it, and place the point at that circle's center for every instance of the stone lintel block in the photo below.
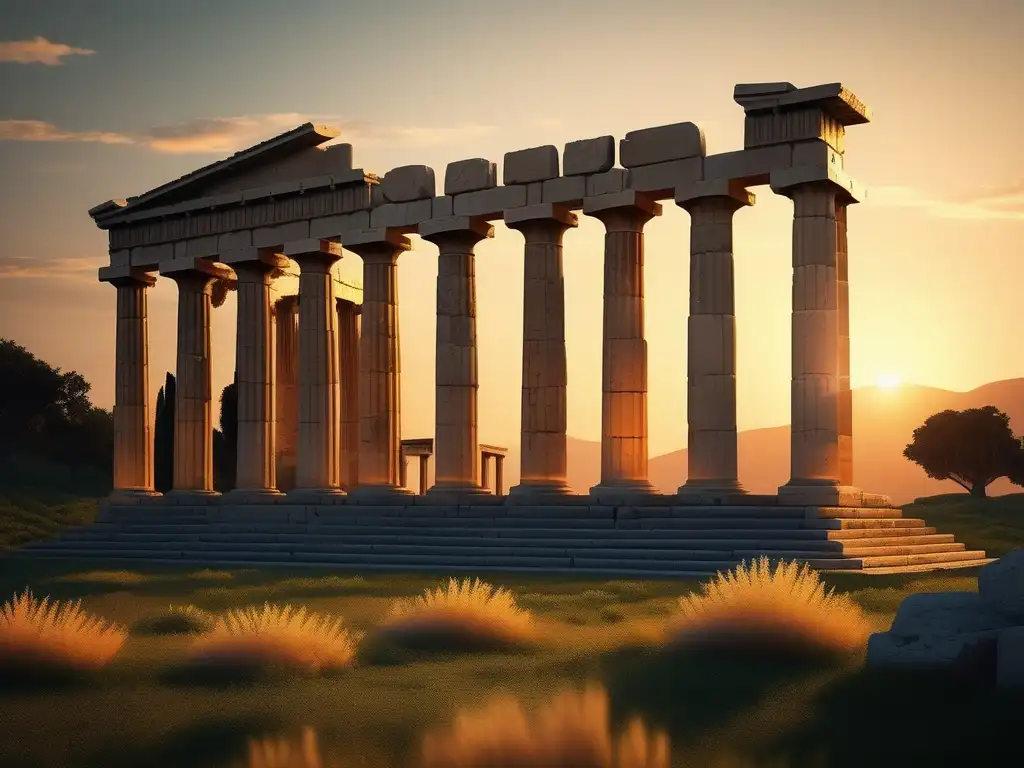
(470, 176)
(489, 203)
(330, 227)
(660, 180)
(311, 247)
(375, 237)
(180, 266)
(751, 166)
(121, 258)
(628, 198)
(612, 180)
(661, 144)
(816, 154)
(568, 190)
(527, 165)
(377, 195)
(198, 247)
(252, 255)
(545, 211)
(231, 240)
(151, 255)
(442, 207)
(402, 215)
(753, 96)
(820, 495)
(407, 183)
(714, 188)
(850, 191)
(833, 98)
(452, 224)
(535, 192)
(124, 273)
(588, 156)
(281, 234)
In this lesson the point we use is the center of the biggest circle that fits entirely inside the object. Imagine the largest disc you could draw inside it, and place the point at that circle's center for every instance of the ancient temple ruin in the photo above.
(289, 199)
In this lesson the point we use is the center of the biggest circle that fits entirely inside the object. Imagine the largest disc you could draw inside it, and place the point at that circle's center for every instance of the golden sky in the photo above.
(108, 99)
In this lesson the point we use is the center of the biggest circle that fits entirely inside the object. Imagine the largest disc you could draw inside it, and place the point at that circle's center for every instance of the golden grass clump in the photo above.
(468, 614)
(782, 609)
(178, 620)
(105, 577)
(209, 574)
(571, 730)
(40, 636)
(282, 752)
(276, 635)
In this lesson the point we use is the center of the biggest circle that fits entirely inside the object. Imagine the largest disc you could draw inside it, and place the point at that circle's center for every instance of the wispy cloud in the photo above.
(996, 204)
(39, 51)
(221, 135)
(28, 267)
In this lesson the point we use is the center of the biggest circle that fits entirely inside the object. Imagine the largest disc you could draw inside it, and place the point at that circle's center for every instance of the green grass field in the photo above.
(715, 708)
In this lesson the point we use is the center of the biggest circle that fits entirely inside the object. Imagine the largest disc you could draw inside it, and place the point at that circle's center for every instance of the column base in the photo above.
(191, 496)
(810, 493)
(131, 495)
(253, 495)
(710, 491)
(383, 493)
(315, 495)
(539, 492)
(623, 492)
(458, 493)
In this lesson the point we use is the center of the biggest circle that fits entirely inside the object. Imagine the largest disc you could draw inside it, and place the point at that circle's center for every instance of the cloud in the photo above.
(28, 267)
(38, 130)
(39, 51)
(1002, 204)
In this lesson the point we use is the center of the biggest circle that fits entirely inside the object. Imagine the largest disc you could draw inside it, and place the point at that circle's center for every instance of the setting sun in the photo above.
(889, 380)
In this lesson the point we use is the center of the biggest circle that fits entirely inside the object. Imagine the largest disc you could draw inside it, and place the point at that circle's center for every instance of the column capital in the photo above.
(252, 258)
(125, 275)
(528, 214)
(722, 190)
(469, 228)
(836, 180)
(189, 267)
(387, 242)
(628, 210)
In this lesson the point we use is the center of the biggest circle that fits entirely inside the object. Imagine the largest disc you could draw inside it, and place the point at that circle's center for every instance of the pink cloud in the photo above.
(68, 268)
(39, 130)
(39, 51)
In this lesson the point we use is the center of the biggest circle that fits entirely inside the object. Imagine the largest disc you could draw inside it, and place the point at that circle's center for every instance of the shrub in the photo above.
(275, 636)
(179, 620)
(471, 615)
(39, 636)
(782, 609)
(571, 729)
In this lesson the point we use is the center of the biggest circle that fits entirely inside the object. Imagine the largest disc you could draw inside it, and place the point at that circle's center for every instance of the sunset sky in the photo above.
(110, 98)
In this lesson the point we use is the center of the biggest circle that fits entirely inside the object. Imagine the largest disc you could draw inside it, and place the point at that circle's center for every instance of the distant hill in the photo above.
(883, 423)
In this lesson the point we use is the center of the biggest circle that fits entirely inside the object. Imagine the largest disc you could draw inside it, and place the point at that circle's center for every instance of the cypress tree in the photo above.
(163, 437)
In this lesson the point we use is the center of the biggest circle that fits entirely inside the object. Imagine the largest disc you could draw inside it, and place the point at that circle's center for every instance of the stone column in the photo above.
(348, 366)
(380, 363)
(499, 475)
(544, 466)
(485, 472)
(816, 475)
(424, 473)
(256, 470)
(193, 408)
(624, 365)
(133, 436)
(457, 444)
(845, 393)
(711, 340)
(287, 340)
(319, 460)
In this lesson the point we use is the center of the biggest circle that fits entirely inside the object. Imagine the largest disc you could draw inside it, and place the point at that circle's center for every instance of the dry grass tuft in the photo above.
(276, 636)
(470, 614)
(178, 620)
(281, 752)
(40, 636)
(571, 730)
(783, 609)
(105, 577)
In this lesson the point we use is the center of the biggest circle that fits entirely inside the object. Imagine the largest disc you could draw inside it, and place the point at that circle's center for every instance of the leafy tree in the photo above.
(972, 448)
(163, 436)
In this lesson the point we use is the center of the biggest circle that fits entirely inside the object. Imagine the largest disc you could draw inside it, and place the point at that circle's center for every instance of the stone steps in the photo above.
(865, 524)
(903, 549)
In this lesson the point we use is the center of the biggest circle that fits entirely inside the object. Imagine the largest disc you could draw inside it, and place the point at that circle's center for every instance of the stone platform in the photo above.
(481, 534)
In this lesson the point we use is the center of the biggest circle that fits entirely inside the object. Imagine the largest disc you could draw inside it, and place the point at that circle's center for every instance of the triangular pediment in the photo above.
(293, 155)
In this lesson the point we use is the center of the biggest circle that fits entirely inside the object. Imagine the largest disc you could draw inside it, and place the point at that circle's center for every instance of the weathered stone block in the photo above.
(332, 226)
(540, 211)
(611, 181)
(784, 181)
(661, 144)
(535, 193)
(470, 176)
(442, 207)
(527, 165)
(275, 236)
(588, 156)
(792, 125)
(749, 166)
(697, 191)
(151, 255)
(489, 203)
(1001, 584)
(1010, 659)
(121, 258)
(233, 240)
(407, 183)
(434, 227)
(661, 179)
(401, 215)
(202, 247)
(628, 198)
(817, 154)
(569, 190)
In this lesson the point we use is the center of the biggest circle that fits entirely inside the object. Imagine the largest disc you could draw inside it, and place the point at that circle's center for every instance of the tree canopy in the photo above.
(972, 448)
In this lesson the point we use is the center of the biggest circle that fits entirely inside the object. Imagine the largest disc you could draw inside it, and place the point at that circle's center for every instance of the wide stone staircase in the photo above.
(487, 536)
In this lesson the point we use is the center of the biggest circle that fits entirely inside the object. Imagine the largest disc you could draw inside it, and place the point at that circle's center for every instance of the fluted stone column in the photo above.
(380, 363)
(544, 467)
(457, 443)
(816, 473)
(133, 436)
(624, 363)
(256, 470)
(711, 340)
(845, 393)
(286, 332)
(319, 460)
(348, 374)
(193, 408)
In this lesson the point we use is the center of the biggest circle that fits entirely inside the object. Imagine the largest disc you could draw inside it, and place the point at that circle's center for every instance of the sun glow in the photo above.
(889, 381)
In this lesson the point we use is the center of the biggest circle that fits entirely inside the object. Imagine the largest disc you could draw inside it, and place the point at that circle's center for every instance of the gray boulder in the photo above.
(1010, 659)
(1001, 584)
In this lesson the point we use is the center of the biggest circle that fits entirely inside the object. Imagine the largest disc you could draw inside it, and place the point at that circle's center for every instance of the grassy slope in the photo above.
(379, 709)
(29, 514)
(995, 525)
